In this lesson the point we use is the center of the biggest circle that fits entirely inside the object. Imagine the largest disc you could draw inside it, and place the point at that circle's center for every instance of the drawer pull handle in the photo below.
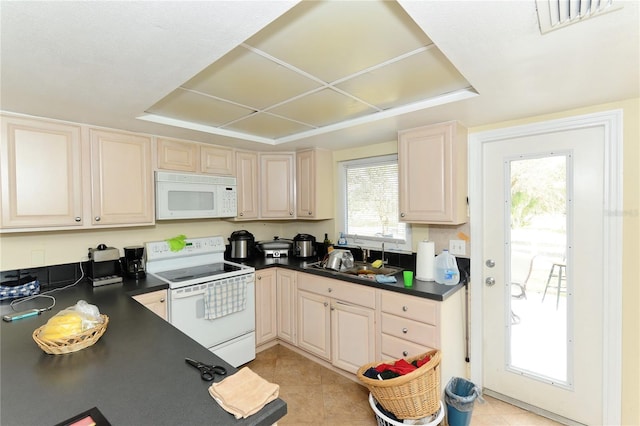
(405, 308)
(162, 300)
(405, 330)
(330, 289)
(405, 353)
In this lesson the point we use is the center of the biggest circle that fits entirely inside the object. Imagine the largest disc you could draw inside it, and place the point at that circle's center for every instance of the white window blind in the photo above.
(371, 201)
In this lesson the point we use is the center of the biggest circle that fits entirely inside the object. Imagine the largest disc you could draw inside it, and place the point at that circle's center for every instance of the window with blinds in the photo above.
(371, 200)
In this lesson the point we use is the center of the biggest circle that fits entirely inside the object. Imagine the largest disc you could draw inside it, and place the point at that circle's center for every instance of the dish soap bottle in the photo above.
(447, 269)
(342, 241)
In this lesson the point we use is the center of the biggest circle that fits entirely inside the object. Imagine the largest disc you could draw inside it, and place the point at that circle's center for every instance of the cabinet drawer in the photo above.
(335, 289)
(406, 329)
(415, 308)
(394, 348)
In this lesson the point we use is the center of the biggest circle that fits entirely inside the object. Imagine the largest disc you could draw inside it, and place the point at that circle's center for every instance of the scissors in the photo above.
(207, 372)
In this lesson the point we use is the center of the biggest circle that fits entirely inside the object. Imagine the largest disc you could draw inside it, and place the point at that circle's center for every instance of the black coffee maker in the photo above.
(134, 262)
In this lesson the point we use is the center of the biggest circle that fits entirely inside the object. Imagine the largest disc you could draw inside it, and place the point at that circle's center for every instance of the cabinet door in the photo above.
(314, 324)
(276, 186)
(177, 155)
(305, 184)
(266, 328)
(432, 174)
(155, 301)
(41, 165)
(314, 184)
(247, 184)
(286, 305)
(216, 160)
(122, 178)
(352, 336)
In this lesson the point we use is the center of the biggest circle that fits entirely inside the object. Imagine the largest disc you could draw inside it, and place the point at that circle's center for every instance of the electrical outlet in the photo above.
(457, 247)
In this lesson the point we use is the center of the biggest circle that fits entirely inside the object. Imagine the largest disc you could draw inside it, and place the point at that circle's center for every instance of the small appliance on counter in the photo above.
(134, 262)
(104, 265)
(275, 248)
(304, 246)
(242, 244)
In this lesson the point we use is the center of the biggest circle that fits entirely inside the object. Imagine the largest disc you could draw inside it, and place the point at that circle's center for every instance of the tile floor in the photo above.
(317, 396)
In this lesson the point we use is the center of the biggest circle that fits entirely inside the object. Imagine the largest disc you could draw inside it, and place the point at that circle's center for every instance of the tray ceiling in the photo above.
(320, 66)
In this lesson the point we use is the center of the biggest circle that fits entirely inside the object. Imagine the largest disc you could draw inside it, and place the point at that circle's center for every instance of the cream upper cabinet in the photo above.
(247, 184)
(194, 157)
(314, 184)
(41, 174)
(216, 160)
(277, 196)
(122, 190)
(432, 169)
(156, 302)
(266, 328)
(178, 155)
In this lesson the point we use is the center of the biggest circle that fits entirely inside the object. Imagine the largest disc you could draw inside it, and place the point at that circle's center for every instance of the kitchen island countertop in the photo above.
(135, 374)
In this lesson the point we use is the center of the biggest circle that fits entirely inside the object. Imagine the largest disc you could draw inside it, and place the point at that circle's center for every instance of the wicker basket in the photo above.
(412, 396)
(73, 343)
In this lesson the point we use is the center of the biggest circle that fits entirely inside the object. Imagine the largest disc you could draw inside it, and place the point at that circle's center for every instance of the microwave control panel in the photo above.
(228, 201)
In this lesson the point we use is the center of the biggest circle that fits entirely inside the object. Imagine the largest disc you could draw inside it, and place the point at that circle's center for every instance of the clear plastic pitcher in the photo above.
(446, 269)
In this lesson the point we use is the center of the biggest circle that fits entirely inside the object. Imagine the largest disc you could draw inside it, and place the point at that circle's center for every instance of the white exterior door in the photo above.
(548, 284)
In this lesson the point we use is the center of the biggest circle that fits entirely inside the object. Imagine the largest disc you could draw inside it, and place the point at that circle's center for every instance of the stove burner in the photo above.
(195, 272)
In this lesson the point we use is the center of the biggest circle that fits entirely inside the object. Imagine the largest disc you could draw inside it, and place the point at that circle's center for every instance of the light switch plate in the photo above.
(457, 247)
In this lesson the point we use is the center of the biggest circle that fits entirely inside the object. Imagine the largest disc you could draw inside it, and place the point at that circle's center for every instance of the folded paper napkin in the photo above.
(244, 393)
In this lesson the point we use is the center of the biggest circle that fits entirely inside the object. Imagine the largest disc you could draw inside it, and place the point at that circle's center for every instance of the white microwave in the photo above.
(189, 196)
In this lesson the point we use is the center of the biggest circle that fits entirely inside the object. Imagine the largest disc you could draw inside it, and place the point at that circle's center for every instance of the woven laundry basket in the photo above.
(412, 396)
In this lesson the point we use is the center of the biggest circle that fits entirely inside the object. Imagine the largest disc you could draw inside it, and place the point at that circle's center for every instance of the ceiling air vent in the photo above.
(554, 14)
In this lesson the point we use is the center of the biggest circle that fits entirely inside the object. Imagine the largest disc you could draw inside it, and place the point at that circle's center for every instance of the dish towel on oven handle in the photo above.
(225, 298)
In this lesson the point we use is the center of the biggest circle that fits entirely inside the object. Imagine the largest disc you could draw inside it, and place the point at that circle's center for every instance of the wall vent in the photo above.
(554, 14)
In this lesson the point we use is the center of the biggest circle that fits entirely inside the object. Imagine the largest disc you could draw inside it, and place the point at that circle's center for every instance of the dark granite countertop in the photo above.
(426, 289)
(135, 374)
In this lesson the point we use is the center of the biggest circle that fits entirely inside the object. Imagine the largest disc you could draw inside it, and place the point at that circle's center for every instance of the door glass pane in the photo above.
(537, 251)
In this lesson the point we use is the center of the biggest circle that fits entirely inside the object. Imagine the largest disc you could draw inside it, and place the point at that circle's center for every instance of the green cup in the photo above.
(408, 278)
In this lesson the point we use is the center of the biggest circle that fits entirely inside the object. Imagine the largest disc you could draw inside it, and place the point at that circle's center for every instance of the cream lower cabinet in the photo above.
(286, 305)
(410, 326)
(266, 302)
(336, 321)
(156, 302)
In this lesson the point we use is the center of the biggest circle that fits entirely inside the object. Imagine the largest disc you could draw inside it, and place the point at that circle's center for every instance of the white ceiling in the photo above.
(108, 63)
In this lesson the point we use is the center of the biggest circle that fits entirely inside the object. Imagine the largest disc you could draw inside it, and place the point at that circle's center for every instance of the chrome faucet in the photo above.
(384, 261)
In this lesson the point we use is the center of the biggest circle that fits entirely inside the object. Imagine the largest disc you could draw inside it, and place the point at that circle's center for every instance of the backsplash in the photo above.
(49, 276)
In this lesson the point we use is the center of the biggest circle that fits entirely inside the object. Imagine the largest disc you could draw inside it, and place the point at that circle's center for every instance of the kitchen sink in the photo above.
(360, 270)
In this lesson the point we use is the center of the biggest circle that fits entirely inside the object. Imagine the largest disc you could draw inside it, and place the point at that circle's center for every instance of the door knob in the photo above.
(490, 281)
(490, 263)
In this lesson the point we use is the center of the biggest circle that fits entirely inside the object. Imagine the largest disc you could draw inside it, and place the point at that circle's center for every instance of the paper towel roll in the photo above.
(425, 259)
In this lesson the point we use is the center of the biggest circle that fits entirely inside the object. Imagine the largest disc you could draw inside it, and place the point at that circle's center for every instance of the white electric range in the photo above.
(210, 299)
